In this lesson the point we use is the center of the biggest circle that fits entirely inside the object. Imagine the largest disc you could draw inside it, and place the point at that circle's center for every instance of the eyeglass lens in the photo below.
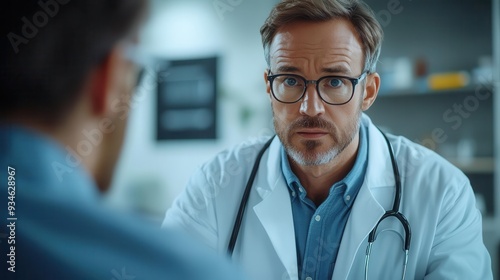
(334, 90)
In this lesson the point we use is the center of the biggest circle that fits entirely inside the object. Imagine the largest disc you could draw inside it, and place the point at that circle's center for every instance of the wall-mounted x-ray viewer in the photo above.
(187, 99)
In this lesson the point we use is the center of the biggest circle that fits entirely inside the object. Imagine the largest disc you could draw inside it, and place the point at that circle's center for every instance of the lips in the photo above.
(311, 127)
(312, 133)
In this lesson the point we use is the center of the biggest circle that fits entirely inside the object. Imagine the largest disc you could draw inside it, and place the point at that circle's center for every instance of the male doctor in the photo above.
(327, 179)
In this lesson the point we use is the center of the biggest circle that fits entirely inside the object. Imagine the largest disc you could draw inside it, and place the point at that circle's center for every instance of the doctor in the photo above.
(323, 187)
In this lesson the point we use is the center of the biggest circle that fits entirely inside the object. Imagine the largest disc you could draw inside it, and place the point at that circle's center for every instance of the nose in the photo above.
(311, 104)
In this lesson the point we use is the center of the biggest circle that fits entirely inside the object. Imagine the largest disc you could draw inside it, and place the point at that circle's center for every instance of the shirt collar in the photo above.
(291, 179)
(353, 180)
(356, 176)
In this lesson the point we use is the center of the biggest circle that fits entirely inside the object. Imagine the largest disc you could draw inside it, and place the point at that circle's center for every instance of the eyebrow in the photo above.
(287, 69)
(338, 69)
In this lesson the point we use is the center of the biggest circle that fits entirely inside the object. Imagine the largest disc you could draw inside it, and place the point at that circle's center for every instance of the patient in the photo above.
(66, 79)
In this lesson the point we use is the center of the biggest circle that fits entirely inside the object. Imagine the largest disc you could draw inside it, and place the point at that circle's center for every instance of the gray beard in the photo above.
(321, 157)
(309, 158)
(318, 159)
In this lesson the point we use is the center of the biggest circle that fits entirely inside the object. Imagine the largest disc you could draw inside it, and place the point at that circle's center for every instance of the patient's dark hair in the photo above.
(49, 47)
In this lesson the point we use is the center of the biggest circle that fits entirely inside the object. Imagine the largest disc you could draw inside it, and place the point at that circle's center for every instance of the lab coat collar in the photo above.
(275, 210)
(367, 208)
(379, 160)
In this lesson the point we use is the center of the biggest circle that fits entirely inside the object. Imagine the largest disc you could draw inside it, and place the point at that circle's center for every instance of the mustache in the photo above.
(311, 122)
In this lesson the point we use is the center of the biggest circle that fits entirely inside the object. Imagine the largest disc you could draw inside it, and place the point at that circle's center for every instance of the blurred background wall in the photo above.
(151, 173)
(440, 81)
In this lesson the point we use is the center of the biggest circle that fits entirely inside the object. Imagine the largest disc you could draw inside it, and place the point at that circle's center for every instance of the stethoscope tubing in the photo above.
(394, 212)
(391, 213)
(244, 199)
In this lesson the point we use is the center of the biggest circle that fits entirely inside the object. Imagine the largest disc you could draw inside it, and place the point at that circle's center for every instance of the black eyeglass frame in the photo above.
(354, 82)
(143, 62)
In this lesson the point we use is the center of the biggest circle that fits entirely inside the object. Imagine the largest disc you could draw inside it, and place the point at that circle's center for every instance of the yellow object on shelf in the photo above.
(448, 80)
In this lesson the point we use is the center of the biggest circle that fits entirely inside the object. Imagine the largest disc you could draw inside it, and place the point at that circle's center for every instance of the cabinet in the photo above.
(456, 124)
(462, 124)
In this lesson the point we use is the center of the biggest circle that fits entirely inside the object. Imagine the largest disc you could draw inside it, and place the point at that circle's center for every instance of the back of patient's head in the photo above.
(49, 47)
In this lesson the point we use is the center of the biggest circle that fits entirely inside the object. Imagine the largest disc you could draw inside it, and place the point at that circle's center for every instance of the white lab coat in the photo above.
(437, 200)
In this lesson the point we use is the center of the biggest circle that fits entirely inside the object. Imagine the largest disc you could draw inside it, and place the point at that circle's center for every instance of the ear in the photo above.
(371, 90)
(268, 84)
(104, 80)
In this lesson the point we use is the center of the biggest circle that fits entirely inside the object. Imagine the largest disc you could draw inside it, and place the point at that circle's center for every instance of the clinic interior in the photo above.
(439, 65)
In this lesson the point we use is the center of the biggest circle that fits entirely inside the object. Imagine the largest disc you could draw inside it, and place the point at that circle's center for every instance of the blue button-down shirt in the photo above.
(60, 229)
(319, 230)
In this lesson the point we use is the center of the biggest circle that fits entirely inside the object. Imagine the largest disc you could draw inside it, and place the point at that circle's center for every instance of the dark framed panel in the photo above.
(187, 99)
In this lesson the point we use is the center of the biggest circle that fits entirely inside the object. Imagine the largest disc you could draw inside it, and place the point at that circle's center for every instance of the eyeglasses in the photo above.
(333, 90)
(142, 61)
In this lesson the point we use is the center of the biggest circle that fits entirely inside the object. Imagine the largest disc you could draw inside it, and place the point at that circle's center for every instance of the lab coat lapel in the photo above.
(275, 210)
(366, 210)
(364, 216)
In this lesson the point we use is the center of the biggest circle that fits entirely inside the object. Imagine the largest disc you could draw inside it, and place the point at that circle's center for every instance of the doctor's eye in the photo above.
(291, 81)
(334, 82)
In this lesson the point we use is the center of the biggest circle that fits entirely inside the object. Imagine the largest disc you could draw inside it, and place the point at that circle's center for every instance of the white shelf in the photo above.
(412, 92)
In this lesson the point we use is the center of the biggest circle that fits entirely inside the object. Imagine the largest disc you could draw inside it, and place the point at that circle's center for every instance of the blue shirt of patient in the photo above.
(64, 231)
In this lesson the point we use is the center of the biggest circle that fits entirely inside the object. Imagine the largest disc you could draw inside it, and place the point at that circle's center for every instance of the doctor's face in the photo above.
(312, 131)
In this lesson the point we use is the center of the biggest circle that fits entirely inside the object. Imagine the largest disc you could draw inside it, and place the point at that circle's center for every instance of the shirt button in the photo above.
(317, 218)
(301, 190)
(293, 194)
(309, 278)
(348, 197)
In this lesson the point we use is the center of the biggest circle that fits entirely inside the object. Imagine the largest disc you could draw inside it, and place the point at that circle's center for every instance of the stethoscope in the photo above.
(394, 212)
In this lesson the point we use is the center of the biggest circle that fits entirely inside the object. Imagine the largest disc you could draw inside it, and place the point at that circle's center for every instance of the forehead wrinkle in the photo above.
(342, 50)
(331, 64)
(344, 43)
(290, 53)
(291, 50)
(336, 64)
(288, 61)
